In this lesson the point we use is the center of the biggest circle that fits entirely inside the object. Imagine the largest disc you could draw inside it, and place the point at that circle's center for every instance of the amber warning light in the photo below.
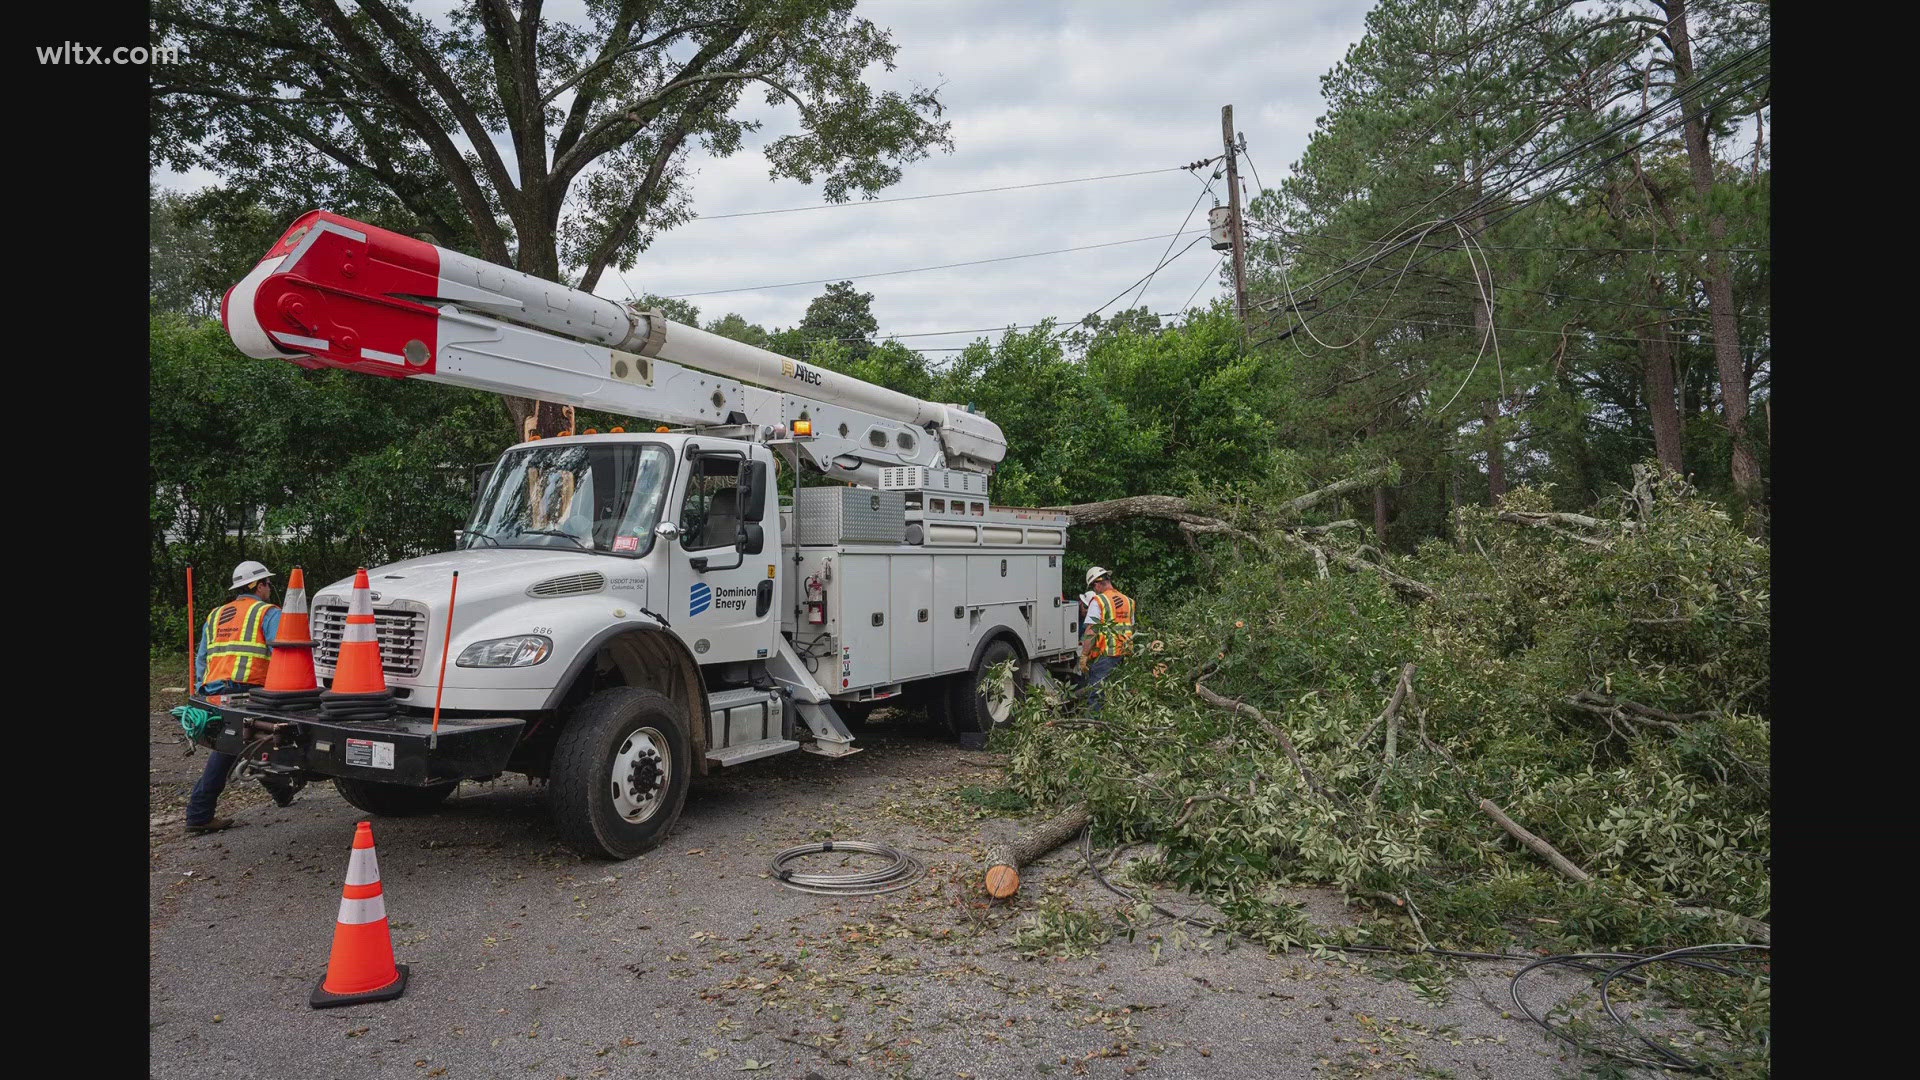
(802, 429)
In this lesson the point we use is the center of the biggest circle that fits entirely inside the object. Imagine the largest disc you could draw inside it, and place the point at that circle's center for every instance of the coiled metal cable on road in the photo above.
(902, 871)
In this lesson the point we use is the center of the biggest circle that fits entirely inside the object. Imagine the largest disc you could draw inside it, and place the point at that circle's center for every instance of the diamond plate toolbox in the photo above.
(849, 515)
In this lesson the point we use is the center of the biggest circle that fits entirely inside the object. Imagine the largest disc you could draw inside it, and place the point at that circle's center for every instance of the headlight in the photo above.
(522, 651)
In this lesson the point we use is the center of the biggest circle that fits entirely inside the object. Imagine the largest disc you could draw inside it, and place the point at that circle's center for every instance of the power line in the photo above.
(1130, 286)
(1203, 281)
(1183, 224)
(919, 269)
(1575, 333)
(1478, 206)
(1484, 200)
(938, 195)
(1671, 249)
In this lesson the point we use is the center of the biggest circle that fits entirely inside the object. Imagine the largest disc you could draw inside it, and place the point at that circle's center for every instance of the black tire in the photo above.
(968, 711)
(392, 800)
(936, 697)
(621, 723)
(855, 713)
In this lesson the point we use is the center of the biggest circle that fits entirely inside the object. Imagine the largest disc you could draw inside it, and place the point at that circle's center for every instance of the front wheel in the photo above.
(981, 698)
(621, 771)
(392, 800)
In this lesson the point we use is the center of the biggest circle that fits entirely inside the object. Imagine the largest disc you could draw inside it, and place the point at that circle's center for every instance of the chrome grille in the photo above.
(402, 633)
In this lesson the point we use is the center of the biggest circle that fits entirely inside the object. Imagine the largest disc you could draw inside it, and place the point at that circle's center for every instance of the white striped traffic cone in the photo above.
(361, 967)
(359, 690)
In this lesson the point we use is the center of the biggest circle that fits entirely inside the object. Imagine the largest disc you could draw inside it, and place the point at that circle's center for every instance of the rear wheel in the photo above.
(621, 771)
(392, 800)
(979, 699)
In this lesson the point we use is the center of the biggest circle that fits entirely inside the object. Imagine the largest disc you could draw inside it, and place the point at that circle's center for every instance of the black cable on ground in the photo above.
(1669, 1058)
(1583, 961)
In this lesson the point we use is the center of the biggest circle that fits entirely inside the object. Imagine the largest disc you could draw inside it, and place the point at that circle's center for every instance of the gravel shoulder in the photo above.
(690, 961)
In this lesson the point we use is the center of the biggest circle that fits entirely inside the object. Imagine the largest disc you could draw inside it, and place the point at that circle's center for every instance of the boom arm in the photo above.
(339, 293)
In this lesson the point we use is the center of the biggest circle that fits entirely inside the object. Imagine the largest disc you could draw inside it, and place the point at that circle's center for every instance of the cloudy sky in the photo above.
(1038, 91)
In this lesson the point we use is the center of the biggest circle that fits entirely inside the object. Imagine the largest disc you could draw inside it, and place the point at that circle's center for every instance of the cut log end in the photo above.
(1002, 881)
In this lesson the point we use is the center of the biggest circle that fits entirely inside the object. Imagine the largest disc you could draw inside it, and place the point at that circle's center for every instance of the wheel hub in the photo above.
(643, 779)
(641, 774)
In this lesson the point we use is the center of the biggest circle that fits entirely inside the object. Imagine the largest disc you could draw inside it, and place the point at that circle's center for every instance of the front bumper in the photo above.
(402, 750)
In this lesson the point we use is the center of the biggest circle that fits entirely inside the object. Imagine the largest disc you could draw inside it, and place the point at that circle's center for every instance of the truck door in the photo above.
(724, 565)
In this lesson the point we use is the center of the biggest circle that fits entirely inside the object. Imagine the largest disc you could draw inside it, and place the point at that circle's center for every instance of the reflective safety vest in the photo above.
(236, 640)
(1113, 634)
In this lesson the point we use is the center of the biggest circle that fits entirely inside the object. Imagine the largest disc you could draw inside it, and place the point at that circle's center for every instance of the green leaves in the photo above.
(1522, 623)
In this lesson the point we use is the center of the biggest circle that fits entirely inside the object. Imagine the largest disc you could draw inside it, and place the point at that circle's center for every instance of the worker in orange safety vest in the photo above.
(235, 642)
(1106, 633)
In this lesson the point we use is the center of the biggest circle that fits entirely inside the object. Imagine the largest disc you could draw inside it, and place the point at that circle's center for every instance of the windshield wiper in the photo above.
(484, 536)
(557, 532)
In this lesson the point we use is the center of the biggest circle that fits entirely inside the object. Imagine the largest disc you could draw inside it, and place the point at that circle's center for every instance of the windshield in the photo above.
(599, 497)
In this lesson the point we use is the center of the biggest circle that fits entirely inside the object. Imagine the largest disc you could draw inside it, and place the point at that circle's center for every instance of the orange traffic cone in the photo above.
(290, 679)
(359, 690)
(361, 967)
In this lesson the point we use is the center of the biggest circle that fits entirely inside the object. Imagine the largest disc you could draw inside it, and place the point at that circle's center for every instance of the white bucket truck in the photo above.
(638, 607)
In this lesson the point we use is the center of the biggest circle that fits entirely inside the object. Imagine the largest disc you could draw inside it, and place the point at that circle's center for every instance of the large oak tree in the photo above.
(556, 148)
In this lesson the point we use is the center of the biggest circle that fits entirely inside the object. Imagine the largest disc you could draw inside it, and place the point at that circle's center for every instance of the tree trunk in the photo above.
(1496, 455)
(1718, 276)
(1662, 410)
(542, 418)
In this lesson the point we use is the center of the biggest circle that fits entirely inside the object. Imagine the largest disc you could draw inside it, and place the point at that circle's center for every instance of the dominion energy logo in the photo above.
(704, 596)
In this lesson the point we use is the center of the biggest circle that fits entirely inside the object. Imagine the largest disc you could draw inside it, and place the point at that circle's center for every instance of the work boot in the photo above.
(213, 825)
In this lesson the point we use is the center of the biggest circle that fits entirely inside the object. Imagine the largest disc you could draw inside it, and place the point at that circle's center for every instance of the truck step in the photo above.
(753, 751)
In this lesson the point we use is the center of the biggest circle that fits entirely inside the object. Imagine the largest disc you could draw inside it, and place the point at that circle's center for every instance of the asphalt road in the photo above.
(690, 962)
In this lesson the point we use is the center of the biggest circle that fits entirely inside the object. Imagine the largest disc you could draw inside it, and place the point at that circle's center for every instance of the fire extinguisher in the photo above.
(816, 601)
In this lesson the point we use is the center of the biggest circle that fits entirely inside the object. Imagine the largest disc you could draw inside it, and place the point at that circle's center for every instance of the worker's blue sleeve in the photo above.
(200, 655)
(270, 625)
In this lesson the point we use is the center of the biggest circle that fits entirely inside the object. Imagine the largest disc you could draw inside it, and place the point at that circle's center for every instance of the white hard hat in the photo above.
(249, 572)
(1096, 573)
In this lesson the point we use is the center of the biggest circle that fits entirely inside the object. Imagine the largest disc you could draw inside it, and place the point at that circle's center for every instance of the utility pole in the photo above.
(1233, 209)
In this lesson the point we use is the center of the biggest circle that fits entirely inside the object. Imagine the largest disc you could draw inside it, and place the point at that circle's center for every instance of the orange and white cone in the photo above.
(290, 678)
(359, 690)
(361, 967)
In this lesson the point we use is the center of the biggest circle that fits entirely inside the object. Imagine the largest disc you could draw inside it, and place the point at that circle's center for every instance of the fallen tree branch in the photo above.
(1751, 927)
(1393, 703)
(1186, 808)
(1621, 709)
(1005, 860)
(1540, 847)
(1367, 478)
(1354, 562)
(1537, 521)
(1279, 735)
(1491, 809)
(1322, 530)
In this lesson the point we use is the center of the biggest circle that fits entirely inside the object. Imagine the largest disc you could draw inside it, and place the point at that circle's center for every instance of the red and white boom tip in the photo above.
(340, 293)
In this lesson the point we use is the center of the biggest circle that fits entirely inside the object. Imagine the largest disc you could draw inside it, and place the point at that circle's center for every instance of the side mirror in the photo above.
(459, 537)
(667, 531)
(749, 538)
(752, 487)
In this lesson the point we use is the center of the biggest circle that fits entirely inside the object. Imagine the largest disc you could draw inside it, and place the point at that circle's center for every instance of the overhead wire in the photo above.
(936, 195)
(921, 269)
(1535, 198)
(1206, 186)
(1129, 288)
(1482, 204)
